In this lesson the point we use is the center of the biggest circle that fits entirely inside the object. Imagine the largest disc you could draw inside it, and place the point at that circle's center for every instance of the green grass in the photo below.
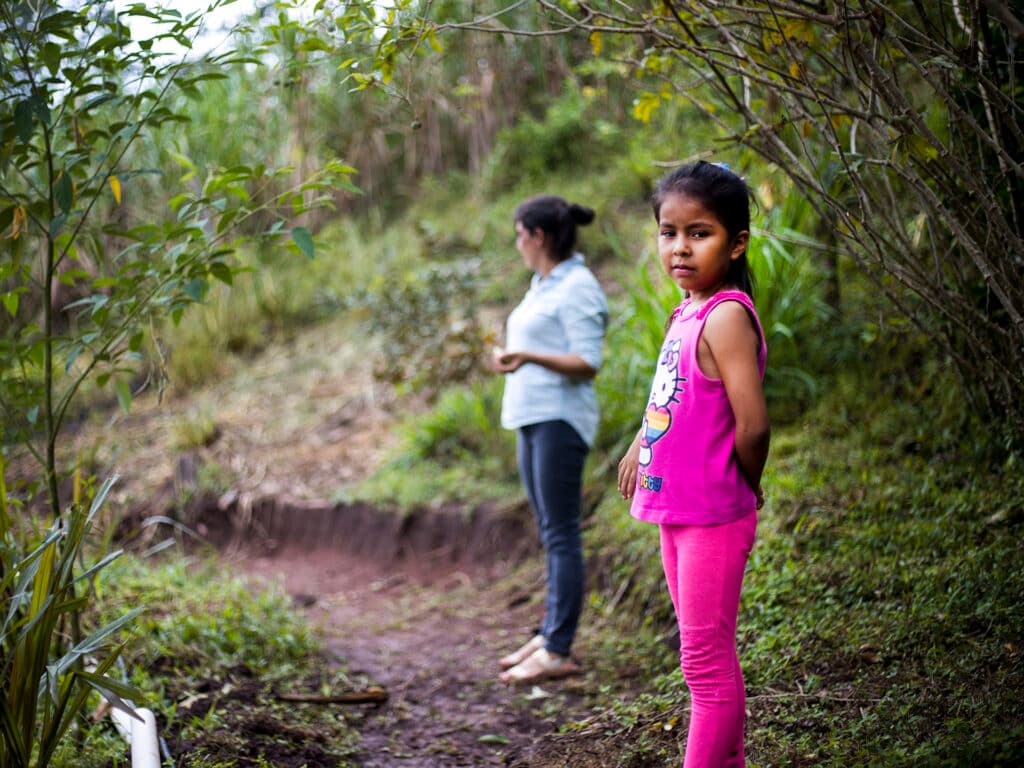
(457, 451)
(209, 653)
(881, 621)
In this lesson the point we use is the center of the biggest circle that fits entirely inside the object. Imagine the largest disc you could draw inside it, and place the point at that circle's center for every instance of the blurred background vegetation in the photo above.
(884, 599)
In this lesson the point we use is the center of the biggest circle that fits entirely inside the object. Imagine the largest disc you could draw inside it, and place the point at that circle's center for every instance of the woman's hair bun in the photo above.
(580, 213)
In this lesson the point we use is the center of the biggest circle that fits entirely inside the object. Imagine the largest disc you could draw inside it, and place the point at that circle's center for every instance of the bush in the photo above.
(431, 335)
(572, 135)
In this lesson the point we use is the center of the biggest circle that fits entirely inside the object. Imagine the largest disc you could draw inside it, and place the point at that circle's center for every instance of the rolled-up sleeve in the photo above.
(584, 316)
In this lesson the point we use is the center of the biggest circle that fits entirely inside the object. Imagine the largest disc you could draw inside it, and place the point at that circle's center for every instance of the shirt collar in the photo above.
(559, 271)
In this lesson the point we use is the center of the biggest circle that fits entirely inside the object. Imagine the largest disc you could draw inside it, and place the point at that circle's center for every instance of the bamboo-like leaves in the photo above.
(44, 693)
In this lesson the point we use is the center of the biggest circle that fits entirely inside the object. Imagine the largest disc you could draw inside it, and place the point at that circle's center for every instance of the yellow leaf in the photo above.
(387, 69)
(115, 187)
(432, 39)
(596, 43)
(806, 128)
(644, 106)
(76, 487)
(800, 30)
(18, 224)
(41, 587)
(794, 69)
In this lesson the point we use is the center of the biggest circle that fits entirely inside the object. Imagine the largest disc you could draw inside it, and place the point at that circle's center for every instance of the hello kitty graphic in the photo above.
(665, 389)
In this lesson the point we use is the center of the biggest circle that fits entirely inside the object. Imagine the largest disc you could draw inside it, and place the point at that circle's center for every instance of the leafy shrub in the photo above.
(788, 296)
(430, 331)
(456, 451)
(463, 424)
(570, 135)
(208, 655)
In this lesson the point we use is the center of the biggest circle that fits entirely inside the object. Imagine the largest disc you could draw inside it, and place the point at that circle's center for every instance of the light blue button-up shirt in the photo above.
(563, 313)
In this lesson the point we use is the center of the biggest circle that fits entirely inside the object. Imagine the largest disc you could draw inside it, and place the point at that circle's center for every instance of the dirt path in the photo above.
(417, 603)
(429, 634)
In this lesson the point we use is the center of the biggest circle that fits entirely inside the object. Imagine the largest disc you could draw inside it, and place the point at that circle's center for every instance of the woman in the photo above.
(552, 353)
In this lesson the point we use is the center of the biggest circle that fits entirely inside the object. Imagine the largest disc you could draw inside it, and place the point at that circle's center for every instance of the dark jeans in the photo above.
(551, 456)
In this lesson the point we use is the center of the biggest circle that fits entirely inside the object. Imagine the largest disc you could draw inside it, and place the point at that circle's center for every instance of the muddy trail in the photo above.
(423, 608)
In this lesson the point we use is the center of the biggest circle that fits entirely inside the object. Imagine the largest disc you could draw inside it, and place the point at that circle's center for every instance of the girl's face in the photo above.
(695, 247)
(531, 246)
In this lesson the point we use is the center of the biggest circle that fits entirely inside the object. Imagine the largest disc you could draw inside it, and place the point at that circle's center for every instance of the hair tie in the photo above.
(723, 166)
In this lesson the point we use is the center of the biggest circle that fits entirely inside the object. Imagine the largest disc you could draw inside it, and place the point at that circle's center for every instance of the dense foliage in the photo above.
(84, 275)
(898, 122)
(882, 141)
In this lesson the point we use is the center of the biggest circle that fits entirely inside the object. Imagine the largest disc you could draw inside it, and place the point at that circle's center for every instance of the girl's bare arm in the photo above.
(733, 342)
(628, 467)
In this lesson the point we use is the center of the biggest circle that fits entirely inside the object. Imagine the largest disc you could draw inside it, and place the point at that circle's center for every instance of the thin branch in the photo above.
(1005, 15)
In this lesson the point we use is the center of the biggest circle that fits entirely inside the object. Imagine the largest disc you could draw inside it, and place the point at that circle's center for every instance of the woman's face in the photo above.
(531, 246)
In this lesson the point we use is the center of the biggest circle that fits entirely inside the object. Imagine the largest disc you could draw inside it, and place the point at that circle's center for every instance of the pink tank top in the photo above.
(688, 472)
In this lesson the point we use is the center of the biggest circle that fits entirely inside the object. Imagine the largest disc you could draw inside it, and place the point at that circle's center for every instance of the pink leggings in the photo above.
(704, 567)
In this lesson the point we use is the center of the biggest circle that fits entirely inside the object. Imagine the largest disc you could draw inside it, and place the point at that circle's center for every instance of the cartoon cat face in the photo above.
(667, 381)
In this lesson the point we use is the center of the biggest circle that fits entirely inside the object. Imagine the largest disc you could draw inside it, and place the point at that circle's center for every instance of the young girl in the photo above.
(695, 466)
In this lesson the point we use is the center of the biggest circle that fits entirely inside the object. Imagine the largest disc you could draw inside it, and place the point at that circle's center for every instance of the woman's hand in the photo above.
(569, 364)
(759, 493)
(628, 468)
(507, 362)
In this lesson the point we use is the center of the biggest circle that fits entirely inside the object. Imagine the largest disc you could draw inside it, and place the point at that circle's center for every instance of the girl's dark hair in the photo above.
(557, 218)
(723, 193)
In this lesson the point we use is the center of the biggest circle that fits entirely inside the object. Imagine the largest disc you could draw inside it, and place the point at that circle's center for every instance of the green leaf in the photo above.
(222, 272)
(23, 120)
(910, 145)
(58, 222)
(195, 289)
(124, 395)
(72, 356)
(112, 690)
(64, 192)
(40, 108)
(51, 57)
(304, 240)
(10, 301)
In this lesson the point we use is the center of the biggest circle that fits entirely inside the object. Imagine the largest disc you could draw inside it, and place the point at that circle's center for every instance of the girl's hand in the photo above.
(759, 493)
(628, 468)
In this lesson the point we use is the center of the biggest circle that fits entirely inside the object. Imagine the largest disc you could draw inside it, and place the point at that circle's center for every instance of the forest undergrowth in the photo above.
(881, 622)
(271, 330)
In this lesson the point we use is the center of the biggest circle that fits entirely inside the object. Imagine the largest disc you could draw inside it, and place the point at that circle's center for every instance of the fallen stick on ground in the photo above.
(356, 697)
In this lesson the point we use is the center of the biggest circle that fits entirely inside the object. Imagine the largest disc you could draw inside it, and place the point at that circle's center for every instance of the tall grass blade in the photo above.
(42, 695)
